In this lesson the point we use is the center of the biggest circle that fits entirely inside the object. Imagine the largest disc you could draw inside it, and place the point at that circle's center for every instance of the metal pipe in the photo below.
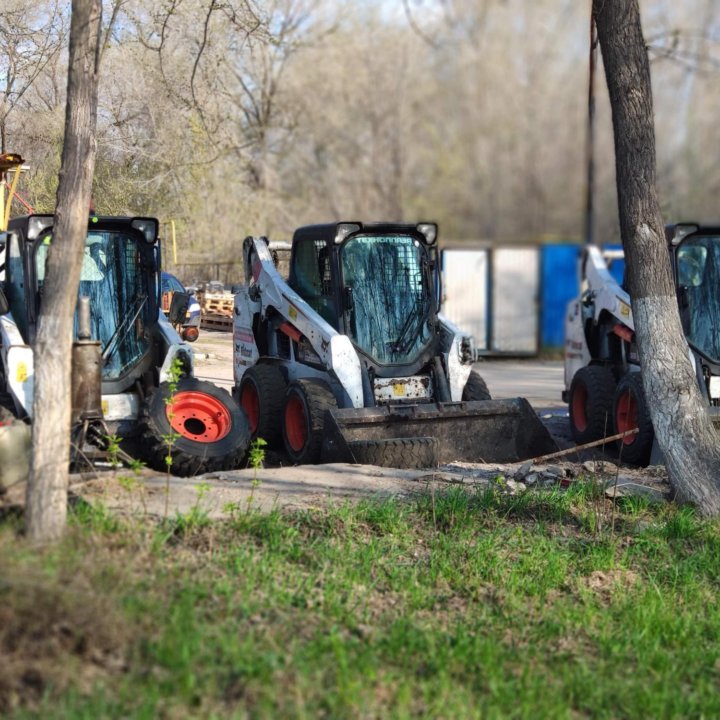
(590, 138)
(83, 332)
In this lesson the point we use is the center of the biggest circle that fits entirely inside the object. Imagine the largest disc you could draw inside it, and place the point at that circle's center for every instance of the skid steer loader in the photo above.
(603, 384)
(350, 360)
(124, 350)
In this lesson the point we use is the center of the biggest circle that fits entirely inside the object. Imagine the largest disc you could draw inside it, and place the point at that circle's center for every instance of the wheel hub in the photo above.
(198, 416)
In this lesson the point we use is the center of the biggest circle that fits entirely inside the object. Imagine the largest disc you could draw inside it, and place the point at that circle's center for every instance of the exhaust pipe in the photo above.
(86, 388)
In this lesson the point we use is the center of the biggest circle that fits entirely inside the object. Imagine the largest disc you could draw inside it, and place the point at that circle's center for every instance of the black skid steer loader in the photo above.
(132, 375)
(351, 360)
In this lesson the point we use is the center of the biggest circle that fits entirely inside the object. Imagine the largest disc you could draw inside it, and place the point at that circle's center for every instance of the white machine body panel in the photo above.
(267, 289)
(458, 366)
(122, 406)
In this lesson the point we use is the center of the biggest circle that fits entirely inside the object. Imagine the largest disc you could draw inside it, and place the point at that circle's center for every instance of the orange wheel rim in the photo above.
(295, 423)
(626, 416)
(198, 416)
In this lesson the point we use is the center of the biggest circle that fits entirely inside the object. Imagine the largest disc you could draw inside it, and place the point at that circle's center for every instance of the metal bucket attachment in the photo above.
(496, 431)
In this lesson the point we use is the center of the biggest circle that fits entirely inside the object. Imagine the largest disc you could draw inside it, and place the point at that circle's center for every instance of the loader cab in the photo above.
(376, 283)
(695, 252)
(118, 273)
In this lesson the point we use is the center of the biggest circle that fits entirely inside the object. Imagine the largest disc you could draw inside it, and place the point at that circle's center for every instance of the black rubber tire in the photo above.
(407, 453)
(475, 388)
(7, 406)
(268, 384)
(591, 403)
(307, 400)
(190, 334)
(634, 449)
(190, 457)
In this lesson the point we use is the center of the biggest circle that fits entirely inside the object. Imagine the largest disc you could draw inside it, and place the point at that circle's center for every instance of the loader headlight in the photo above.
(345, 229)
(429, 230)
(148, 227)
(37, 224)
(465, 350)
(682, 231)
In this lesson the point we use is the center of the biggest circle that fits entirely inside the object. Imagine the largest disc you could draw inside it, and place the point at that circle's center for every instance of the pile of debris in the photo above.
(617, 481)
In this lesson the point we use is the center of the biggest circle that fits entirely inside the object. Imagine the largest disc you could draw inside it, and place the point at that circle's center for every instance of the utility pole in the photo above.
(590, 138)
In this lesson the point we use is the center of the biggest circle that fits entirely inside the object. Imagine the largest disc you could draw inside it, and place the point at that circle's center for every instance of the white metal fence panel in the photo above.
(515, 291)
(465, 291)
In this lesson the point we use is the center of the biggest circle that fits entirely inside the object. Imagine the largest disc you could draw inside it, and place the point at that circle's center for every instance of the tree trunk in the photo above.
(682, 424)
(47, 486)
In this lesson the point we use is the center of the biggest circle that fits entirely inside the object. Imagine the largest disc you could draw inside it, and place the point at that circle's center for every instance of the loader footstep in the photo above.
(406, 453)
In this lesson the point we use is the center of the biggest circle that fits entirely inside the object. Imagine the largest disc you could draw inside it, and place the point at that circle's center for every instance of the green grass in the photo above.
(461, 605)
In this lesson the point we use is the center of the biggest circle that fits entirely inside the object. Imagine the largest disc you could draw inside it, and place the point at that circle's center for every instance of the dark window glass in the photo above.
(390, 298)
(15, 286)
(311, 278)
(171, 284)
(698, 271)
(112, 277)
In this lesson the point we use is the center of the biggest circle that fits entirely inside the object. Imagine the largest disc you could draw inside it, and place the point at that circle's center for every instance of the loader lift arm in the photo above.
(270, 296)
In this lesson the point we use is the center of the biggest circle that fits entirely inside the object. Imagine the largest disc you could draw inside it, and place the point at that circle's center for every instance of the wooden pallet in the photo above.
(216, 304)
(216, 322)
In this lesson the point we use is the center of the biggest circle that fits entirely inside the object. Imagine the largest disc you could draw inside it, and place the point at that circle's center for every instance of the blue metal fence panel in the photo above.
(559, 278)
(559, 273)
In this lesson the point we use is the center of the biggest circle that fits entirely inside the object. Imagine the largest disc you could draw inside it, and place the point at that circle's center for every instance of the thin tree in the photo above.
(682, 424)
(48, 482)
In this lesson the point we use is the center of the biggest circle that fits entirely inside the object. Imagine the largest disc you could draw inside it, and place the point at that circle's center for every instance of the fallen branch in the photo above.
(576, 448)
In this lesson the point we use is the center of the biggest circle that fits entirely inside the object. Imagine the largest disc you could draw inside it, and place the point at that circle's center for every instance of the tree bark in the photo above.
(680, 417)
(47, 487)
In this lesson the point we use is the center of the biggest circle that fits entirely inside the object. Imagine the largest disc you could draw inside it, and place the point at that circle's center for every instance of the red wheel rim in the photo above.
(191, 334)
(250, 403)
(626, 415)
(295, 423)
(198, 416)
(579, 408)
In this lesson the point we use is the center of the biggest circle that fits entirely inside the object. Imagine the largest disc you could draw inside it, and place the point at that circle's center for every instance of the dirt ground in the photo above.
(220, 495)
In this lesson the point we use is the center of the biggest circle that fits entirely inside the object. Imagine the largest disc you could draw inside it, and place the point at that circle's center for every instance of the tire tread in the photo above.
(271, 386)
(599, 383)
(183, 462)
(319, 399)
(637, 452)
(476, 388)
(407, 453)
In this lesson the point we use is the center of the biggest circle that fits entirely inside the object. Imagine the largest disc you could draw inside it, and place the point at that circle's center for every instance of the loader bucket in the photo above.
(493, 431)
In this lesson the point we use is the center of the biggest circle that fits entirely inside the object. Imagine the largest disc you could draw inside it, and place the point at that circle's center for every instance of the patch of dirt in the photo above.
(606, 583)
(54, 634)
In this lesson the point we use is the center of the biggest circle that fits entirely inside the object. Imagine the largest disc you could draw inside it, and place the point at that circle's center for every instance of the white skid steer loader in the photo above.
(603, 384)
(350, 360)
